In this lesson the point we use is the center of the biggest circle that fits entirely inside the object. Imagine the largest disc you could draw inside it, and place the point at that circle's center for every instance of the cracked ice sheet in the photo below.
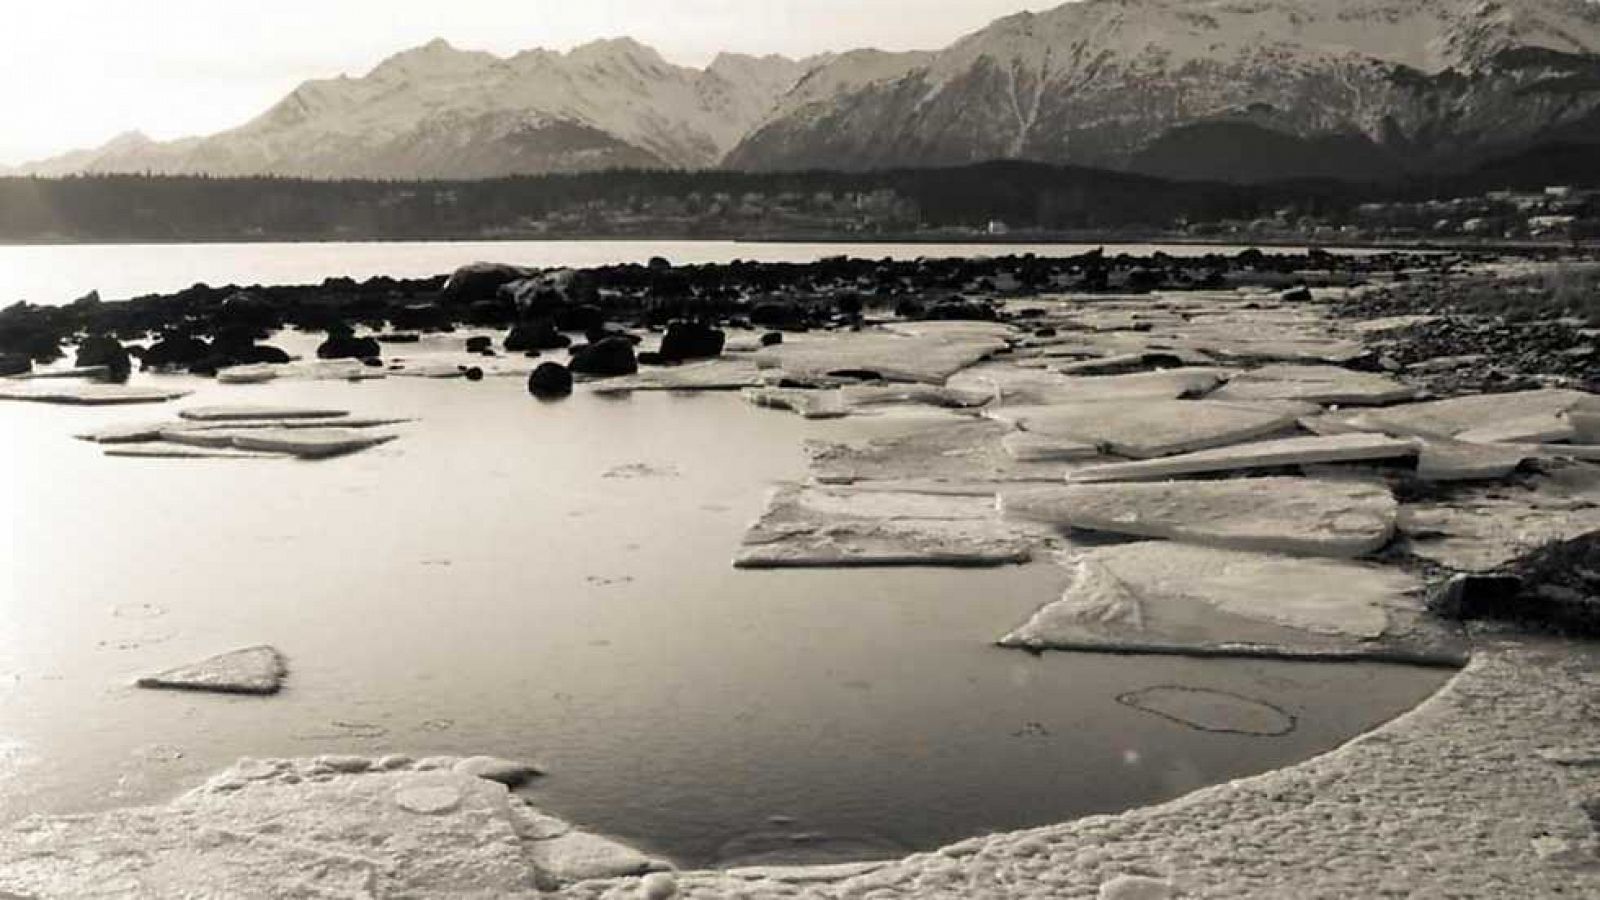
(1151, 428)
(963, 451)
(1477, 528)
(1338, 519)
(1011, 385)
(1164, 598)
(806, 526)
(1458, 415)
(1315, 384)
(930, 358)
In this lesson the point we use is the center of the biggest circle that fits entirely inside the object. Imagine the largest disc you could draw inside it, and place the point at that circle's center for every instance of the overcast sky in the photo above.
(74, 73)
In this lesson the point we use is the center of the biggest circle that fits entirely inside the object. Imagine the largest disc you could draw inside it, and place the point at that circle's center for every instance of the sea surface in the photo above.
(54, 274)
(553, 582)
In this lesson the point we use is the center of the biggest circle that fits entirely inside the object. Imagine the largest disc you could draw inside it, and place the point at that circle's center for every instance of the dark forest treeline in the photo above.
(1027, 196)
(1024, 195)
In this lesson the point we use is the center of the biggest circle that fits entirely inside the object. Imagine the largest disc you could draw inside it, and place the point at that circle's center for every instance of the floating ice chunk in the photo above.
(309, 443)
(812, 404)
(581, 856)
(163, 450)
(1535, 429)
(820, 526)
(715, 375)
(1257, 455)
(1159, 597)
(1315, 384)
(1150, 428)
(253, 670)
(236, 413)
(89, 394)
(931, 356)
(251, 374)
(1449, 418)
(1447, 460)
(962, 451)
(1339, 519)
(1026, 447)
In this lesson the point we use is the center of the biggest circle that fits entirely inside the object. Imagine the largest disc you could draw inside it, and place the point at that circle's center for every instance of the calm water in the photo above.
(488, 584)
(56, 274)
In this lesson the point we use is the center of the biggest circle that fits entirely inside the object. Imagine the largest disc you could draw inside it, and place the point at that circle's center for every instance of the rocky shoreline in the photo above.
(1298, 457)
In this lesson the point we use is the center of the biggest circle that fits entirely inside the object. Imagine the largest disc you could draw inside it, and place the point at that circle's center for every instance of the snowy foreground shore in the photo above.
(1223, 473)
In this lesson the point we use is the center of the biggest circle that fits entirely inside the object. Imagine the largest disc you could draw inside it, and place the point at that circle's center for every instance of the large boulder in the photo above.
(175, 349)
(691, 340)
(15, 364)
(344, 345)
(550, 380)
(481, 281)
(103, 350)
(612, 356)
(535, 334)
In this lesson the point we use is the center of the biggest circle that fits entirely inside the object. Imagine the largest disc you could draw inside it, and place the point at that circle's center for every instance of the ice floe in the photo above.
(958, 451)
(1150, 428)
(1315, 384)
(1283, 515)
(1257, 455)
(810, 526)
(252, 670)
(1159, 597)
(89, 394)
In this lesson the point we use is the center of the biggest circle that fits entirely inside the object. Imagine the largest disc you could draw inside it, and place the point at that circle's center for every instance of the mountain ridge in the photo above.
(1239, 90)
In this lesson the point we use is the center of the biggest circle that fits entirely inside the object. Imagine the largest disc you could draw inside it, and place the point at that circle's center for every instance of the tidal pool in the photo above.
(553, 581)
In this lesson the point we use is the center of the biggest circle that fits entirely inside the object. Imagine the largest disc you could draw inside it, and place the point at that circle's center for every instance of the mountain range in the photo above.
(1239, 90)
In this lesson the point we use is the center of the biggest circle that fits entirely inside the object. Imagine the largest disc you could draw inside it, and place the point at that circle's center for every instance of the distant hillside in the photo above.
(714, 204)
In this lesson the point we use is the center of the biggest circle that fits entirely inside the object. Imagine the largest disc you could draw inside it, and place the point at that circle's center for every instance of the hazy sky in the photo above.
(74, 73)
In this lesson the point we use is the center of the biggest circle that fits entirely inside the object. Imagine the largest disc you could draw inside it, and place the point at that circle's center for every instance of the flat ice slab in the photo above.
(1013, 386)
(237, 413)
(959, 451)
(330, 826)
(164, 450)
(1453, 417)
(806, 526)
(1256, 455)
(253, 670)
(89, 394)
(1447, 460)
(1159, 597)
(1340, 519)
(929, 355)
(715, 375)
(309, 443)
(1150, 428)
(812, 404)
(1315, 384)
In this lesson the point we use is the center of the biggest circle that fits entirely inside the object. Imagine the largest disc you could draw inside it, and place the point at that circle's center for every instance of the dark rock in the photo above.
(772, 339)
(1470, 596)
(961, 310)
(419, 317)
(101, 350)
(582, 317)
(348, 346)
(175, 349)
(15, 364)
(404, 337)
(550, 380)
(601, 332)
(691, 340)
(481, 281)
(1299, 294)
(535, 334)
(479, 344)
(1044, 332)
(651, 358)
(611, 356)
(473, 373)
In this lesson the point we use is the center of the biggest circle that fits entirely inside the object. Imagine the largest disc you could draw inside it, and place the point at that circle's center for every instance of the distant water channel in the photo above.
(49, 275)
(553, 582)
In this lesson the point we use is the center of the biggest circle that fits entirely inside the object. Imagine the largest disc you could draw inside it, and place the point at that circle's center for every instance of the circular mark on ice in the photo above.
(138, 611)
(344, 730)
(429, 800)
(1203, 709)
